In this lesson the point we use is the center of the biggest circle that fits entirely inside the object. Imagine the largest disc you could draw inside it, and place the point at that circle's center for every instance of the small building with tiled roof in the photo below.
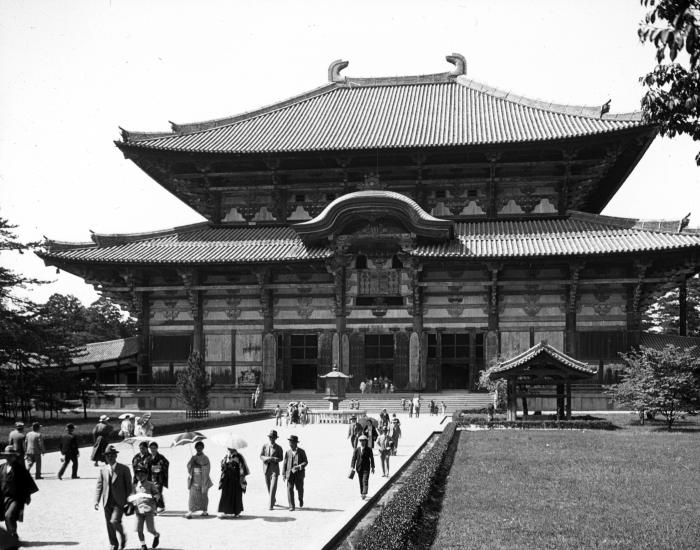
(108, 362)
(414, 228)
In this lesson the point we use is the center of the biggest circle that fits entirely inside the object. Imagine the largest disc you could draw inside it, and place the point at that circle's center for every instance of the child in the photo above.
(144, 496)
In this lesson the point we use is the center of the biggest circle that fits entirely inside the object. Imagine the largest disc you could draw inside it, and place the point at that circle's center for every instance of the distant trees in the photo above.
(673, 97)
(665, 382)
(193, 384)
(663, 315)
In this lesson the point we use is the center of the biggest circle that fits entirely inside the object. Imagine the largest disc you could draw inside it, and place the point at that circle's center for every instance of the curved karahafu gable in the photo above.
(374, 208)
(542, 356)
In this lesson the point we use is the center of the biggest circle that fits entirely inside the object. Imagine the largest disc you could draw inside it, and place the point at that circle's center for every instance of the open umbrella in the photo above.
(230, 441)
(364, 420)
(125, 416)
(187, 438)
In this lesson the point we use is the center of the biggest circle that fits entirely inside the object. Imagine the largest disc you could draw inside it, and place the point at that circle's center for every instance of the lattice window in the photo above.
(381, 282)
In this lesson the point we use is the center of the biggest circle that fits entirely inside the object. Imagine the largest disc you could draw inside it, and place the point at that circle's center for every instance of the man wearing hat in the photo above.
(18, 438)
(271, 456)
(113, 490)
(69, 451)
(362, 462)
(293, 471)
(16, 488)
(354, 431)
(35, 448)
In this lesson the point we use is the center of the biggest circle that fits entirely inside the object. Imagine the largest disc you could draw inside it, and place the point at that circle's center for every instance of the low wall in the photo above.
(163, 401)
(579, 402)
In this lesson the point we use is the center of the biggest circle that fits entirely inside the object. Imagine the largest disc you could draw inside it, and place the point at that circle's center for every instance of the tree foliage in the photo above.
(672, 100)
(663, 315)
(665, 382)
(193, 384)
(499, 387)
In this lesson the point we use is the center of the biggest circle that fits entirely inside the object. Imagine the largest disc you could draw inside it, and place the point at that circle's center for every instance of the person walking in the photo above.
(158, 467)
(68, 446)
(371, 432)
(278, 416)
(395, 434)
(410, 409)
(144, 495)
(384, 418)
(126, 428)
(113, 489)
(100, 438)
(198, 481)
(34, 448)
(271, 456)
(362, 462)
(403, 404)
(16, 489)
(416, 406)
(232, 483)
(384, 445)
(354, 431)
(143, 426)
(17, 439)
(294, 471)
(141, 458)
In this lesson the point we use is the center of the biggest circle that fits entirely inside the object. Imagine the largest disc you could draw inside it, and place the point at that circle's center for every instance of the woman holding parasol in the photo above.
(233, 483)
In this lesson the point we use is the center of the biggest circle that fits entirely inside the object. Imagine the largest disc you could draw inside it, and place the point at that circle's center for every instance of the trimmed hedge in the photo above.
(51, 443)
(581, 423)
(393, 526)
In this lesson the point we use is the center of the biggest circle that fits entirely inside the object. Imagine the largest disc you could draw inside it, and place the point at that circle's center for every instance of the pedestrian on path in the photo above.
(278, 415)
(69, 452)
(294, 471)
(144, 495)
(35, 448)
(198, 481)
(271, 456)
(395, 434)
(141, 458)
(354, 431)
(384, 446)
(100, 439)
(113, 490)
(16, 489)
(143, 426)
(17, 439)
(232, 483)
(362, 462)
(158, 467)
(416, 406)
(410, 409)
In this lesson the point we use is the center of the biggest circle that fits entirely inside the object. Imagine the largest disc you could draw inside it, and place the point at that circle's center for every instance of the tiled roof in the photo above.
(660, 341)
(111, 350)
(541, 349)
(579, 234)
(425, 111)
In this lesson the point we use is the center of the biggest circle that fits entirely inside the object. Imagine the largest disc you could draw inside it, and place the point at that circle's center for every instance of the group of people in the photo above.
(364, 436)
(377, 385)
(297, 413)
(133, 426)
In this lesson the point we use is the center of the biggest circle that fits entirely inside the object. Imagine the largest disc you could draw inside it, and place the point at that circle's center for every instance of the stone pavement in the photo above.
(61, 514)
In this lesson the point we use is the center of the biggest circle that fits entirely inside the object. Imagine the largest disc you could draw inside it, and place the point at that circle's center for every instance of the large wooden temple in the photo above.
(410, 227)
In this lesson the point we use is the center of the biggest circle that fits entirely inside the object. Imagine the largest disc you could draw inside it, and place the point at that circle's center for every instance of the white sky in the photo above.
(72, 71)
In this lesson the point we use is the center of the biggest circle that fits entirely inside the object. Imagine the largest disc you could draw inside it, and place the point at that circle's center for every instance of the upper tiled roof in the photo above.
(366, 113)
(535, 351)
(111, 350)
(660, 341)
(578, 235)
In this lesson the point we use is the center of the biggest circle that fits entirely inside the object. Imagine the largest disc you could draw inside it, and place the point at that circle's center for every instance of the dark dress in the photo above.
(158, 467)
(16, 484)
(100, 435)
(232, 468)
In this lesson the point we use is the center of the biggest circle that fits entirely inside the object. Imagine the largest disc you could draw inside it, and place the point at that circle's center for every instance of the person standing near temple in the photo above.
(362, 462)
(158, 467)
(100, 438)
(384, 446)
(144, 495)
(17, 439)
(198, 481)
(271, 456)
(142, 458)
(112, 491)
(278, 415)
(69, 452)
(383, 419)
(16, 488)
(395, 434)
(35, 448)
(354, 431)
(294, 471)
(232, 483)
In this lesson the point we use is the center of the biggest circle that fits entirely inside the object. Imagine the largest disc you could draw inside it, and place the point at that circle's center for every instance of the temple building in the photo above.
(416, 227)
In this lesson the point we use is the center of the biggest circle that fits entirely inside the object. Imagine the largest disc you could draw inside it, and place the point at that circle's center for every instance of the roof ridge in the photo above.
(104, 342)
(586, 111)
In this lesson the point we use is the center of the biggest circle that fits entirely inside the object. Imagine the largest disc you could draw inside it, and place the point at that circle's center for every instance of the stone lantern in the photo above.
(335, 387)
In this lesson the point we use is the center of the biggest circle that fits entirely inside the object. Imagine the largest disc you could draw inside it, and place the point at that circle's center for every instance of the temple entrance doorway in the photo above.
(304, 376)
(454, 376)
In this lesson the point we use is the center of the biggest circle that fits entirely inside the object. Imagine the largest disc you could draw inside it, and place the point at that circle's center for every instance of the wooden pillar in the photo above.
(683, 307)
(269, 342)
(491, 343)
(190, 278)
(568, 399)
(560, 401)
(417, 350)
(337, 267)
(491, 209)
(512, 400)
(571, 308)
(144, 373)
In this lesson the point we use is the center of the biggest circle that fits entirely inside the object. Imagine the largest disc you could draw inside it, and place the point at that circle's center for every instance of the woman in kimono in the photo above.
(198, 481)
(232, 484)
(158, 467)
(100, 438)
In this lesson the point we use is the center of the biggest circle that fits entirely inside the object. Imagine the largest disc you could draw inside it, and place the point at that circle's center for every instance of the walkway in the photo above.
(62, 516)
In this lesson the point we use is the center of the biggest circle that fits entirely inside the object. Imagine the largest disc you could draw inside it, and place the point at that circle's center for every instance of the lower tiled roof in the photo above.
(660, 341)
(111, 350)
(577, 235)
(541, 349)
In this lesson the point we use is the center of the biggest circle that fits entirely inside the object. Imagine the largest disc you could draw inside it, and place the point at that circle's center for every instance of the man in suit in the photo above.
(18, 438)
(363, 462)
(16, 488)
(113, 489)
(295, 463)
(271, 456)
(35, 448)
(354, 431)
(69, 452)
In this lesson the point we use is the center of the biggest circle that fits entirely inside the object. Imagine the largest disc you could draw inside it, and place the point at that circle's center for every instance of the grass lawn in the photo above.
(638, 487)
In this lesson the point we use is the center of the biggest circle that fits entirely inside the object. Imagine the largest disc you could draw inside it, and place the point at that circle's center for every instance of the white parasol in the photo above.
(230, 441)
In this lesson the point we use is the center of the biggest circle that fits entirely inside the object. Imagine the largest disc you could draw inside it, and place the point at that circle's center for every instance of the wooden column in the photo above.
(144, 373)
(491, 343)
(269, 341)
(512, 401)
(561, 398)
(683, 307)
(337, 267)
(491, 209)
(418, 356)
(563, 205)
(568, 400)
(571, 308)
(190, 279)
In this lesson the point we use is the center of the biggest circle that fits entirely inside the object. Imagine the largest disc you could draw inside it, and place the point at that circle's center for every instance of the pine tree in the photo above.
(663, 315)
(193, 383)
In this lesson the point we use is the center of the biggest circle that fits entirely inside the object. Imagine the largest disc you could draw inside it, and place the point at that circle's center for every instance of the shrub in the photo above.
(396, 521)
(582, 423)
(193, 384)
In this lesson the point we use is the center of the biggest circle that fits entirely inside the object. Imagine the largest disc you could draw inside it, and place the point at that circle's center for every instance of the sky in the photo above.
(72, 72)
